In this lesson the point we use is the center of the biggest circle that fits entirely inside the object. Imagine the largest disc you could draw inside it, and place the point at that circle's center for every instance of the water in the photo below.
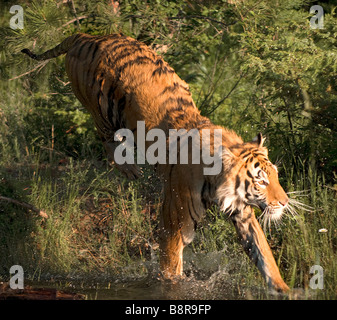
(218, 286)
(207, 278)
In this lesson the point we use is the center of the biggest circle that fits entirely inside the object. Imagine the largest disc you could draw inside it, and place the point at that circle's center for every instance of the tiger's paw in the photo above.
(171, 278)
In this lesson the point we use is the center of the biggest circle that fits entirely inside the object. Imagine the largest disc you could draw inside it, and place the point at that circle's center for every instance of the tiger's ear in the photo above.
(259, 140)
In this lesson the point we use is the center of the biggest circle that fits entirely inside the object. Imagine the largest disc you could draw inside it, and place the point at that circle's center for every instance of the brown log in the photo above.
(29, 293)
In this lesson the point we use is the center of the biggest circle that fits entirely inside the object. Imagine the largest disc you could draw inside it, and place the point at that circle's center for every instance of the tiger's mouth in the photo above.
(272, 212)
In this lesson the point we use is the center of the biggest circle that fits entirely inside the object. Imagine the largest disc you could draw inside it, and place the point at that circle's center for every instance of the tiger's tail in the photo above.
(61, 48)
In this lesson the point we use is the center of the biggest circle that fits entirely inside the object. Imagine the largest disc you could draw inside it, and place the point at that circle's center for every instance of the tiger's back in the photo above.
(122, 81)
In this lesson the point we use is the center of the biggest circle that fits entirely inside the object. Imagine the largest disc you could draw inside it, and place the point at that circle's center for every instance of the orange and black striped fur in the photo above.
(122, 81)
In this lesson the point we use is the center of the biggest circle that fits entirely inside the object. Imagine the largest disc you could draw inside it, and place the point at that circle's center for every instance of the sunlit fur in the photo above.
(122, 81)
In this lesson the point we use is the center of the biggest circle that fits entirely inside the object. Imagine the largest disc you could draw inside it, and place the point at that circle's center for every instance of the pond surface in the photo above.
(207, 279)
(219, 286)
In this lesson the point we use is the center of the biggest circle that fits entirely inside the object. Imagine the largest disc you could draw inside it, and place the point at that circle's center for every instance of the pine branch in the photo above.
(39, 67)
(72, 21)
(194, 16)
(227, 95)
(191, 16)
(75, 14)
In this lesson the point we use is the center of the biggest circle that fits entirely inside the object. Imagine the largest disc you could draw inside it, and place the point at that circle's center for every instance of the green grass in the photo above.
(97, 222)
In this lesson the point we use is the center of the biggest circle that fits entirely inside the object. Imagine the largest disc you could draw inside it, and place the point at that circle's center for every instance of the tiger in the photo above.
(122, 81)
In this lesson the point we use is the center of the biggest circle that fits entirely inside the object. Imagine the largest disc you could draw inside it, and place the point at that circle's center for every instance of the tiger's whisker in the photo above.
(263, 213)
(299, 191)
(299, 205)
(291, 210)
(266, 219)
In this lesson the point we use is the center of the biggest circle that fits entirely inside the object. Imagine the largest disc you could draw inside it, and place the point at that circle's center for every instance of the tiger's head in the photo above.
(249, 178)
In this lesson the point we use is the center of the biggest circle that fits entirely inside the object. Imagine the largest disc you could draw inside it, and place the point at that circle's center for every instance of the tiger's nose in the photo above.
(284, 202)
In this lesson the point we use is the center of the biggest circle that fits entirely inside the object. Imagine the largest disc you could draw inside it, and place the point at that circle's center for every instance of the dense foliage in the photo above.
(252, 66)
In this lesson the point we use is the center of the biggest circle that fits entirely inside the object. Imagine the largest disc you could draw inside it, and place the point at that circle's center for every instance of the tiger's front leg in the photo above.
(171, 244)
(177, 228)
(256, 246)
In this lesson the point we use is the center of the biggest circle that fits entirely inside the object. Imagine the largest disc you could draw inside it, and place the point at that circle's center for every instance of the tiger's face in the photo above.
(261, 186)
(252, 180)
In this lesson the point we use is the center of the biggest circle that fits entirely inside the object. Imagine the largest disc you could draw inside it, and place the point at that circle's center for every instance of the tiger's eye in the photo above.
(263, 183)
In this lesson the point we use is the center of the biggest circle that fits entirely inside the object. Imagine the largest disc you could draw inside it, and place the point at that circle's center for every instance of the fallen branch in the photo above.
(25, 205)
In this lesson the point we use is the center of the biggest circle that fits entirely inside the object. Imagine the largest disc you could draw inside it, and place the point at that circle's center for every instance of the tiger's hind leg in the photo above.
(256, 246)
(131, 171)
